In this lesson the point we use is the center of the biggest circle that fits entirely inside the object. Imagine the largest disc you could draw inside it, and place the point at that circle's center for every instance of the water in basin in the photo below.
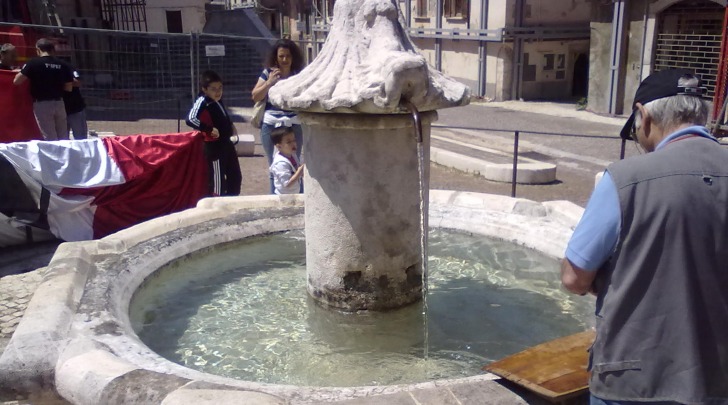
(242, 311)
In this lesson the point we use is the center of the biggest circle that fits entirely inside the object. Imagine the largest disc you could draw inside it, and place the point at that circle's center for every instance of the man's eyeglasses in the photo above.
(633, 130)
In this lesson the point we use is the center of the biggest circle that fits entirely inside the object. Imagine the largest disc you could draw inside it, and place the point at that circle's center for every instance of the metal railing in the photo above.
(489, 35)
(517, 134)
(541, 33)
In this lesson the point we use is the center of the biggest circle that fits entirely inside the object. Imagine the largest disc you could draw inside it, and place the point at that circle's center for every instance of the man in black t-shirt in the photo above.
(50, 78)
(76, 108)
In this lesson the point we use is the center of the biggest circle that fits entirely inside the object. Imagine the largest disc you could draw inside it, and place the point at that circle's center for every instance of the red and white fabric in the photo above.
(101, 185)
(17, 122)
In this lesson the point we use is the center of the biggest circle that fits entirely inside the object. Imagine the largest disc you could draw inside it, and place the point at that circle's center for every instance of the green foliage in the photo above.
(581, 104)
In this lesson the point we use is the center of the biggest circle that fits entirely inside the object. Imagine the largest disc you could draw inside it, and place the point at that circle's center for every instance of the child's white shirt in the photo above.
(282, 170)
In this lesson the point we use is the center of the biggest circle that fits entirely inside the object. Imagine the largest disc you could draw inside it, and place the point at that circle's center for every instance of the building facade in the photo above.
(175, 16)
(530, 50)
(549, 49)
(632, 39)
(502, 49)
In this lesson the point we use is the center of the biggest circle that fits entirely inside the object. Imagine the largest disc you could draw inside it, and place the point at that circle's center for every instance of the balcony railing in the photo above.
(492, 35)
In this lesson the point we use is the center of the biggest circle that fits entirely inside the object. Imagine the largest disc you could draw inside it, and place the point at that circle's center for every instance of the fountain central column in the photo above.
(363, 209)
(363, 203)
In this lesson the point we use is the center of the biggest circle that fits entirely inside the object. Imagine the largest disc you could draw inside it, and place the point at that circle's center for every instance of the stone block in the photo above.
(566, 212)
(400, 398)
(490, 392)
(147, 230)
(82, 379)
(146, 387)
(245, 145)
(528, 173)
(213, 397)
(435, 396)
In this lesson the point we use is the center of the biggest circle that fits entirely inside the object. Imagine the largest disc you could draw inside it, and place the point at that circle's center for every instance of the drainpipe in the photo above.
(280, 23)
(408, 13)
(617, 51)
(517, 53)
(438, 41)
(483, 50)
(644, 41)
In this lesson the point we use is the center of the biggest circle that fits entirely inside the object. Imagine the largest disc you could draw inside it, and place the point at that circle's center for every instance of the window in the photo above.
(421, 8)
(174, 21)
(549, 61)
(456, 8)
(554, 61)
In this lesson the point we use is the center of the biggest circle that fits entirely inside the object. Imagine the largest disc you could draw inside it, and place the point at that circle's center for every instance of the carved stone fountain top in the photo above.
(368, 64)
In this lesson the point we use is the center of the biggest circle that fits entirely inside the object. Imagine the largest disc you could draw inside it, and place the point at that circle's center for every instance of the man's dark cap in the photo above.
(45, 45)
(660, 85)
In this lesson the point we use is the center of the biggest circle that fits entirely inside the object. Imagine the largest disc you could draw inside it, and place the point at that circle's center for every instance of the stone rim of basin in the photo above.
(76, 336)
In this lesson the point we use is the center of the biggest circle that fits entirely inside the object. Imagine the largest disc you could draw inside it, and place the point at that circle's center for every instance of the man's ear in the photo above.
(645, 119)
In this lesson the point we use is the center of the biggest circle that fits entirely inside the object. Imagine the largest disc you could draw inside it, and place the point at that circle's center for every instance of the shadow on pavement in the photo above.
(24, 258)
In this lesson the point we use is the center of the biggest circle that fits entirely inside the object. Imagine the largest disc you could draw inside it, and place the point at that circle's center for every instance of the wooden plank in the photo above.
(555, 370)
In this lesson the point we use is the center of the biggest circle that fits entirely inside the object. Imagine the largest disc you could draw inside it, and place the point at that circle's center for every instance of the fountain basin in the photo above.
(76, 335)
(241, 310)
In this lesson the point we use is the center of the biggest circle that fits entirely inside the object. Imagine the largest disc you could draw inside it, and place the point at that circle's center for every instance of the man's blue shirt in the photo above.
(596, 235)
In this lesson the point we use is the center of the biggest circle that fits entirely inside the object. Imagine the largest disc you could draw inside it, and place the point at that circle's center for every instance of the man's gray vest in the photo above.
(662, 306)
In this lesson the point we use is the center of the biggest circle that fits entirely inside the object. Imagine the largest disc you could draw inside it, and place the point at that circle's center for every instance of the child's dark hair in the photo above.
(277, 134)
(208, 77)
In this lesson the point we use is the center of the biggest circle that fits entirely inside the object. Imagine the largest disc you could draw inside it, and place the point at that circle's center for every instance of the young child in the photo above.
(286, 170)
(209, 115)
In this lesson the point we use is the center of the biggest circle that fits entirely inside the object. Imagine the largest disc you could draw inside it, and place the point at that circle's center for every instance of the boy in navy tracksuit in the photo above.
(209, 115)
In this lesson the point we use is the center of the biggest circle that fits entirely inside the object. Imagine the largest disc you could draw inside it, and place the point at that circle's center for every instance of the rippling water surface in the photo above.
(242, 311)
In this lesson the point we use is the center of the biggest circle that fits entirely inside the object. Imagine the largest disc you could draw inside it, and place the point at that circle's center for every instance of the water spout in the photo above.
(415, 118)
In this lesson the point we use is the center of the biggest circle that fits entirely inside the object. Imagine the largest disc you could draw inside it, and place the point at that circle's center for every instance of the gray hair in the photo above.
(671, 112)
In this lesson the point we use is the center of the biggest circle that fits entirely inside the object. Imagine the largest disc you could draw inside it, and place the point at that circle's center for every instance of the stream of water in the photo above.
(423, 243)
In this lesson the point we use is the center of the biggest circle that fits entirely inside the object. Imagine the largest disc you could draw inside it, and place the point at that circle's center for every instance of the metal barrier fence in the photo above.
(138, 82)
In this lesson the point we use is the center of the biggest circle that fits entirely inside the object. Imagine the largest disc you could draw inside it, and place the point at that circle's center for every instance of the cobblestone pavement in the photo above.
(46, 398)
(15, 293)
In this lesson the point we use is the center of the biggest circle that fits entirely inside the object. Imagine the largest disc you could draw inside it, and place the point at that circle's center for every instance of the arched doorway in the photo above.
(689, 36)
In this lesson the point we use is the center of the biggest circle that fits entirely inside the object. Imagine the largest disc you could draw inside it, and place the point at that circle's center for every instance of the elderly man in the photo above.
(8, 57)
(653, 247)
(49, 78)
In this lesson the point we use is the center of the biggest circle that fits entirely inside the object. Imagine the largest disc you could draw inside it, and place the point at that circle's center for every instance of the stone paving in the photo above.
(15, 293)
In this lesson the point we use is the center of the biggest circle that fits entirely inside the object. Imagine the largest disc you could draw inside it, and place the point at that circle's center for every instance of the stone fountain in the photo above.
(364, 206)
(363, 216)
